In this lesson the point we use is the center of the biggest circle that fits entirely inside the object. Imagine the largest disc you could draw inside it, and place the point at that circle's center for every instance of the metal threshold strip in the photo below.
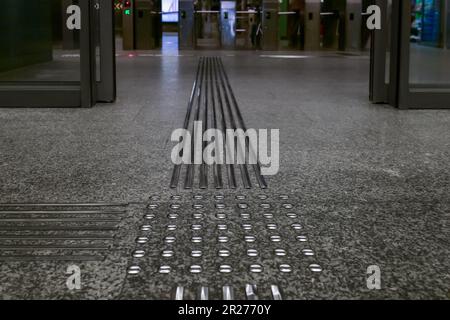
(213, 102)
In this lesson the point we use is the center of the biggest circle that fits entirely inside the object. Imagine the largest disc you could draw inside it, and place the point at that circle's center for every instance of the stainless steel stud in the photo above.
(280, 252)
(195, 269)
(170, 239)
(275, 238)
(196, 253)
(165, 269)
(167, 253)
(250, 238)
(138, 253)
(223, 239)
(252, 252)
(285, 268)
(256, 268)
(296, 226)
(243, 206)
(315, 268)
(133, 270)
(197, 239)
(142, 240)
(308, 252)
(224, 253)
(225, 268)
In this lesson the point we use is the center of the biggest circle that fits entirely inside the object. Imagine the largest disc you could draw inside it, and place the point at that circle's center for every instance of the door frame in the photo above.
(396, 40)
(83, 93)
(421, 96)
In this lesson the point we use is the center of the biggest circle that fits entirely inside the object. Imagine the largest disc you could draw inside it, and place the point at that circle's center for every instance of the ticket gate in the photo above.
(353, 23)
(228, 24)
(186, 33)
(270, 9)
(142, 26)
(333, 24)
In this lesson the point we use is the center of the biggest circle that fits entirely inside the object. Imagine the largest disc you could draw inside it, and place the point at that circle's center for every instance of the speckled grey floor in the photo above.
(370, 183)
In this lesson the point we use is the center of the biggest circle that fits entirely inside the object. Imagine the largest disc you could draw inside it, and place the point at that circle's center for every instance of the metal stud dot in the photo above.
(167, 253)
(315, 268)
(268, 215)
(302, 238)
(153, 206)
(285, 268)
(272, 226)
(265, 205)
(288, 206)
(225, 268)
(219, 197)
(169, 239)
(142, 240)
(198, 197)
(196, 253)
(240, 197)
(198, 206)
(247, 227)
(146, 227)
(263, 197)
(275, 238)
(171, 227)
(223, 239)
(195, 269)
(222, 227)
(139, 253)
(252, 252)
(175, 206)
(176, 197)
(224, 253)
(155, 198)
(245, 216)
(243, 206)
(296, 226)
(196, 239)
(134, 270)
(172, 216)
(308, 252)
(250, 238)
(165, 269)
(196, 227)
(149, 216)
(256, 268)
(291, 215)
(280, 252)
(284, 197)
(197, 215)
(220, 206)
(221, 216)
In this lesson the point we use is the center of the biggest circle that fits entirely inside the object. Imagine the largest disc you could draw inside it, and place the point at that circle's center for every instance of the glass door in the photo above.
(48, 53)
(425, 64)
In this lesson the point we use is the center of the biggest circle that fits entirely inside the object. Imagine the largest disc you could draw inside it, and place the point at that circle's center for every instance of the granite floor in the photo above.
(369, 183)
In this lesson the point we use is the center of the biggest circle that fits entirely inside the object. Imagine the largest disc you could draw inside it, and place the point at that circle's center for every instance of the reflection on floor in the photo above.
(368, 183)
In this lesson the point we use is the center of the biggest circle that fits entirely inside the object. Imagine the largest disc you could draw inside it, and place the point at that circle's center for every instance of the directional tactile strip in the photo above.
(58, 232)
(217, 246)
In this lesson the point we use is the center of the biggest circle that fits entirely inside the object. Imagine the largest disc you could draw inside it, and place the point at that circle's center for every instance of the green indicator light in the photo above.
(127, 12)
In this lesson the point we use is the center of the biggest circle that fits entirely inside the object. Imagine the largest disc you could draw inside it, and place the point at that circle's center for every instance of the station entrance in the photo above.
(243, 24)
(75, 42)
